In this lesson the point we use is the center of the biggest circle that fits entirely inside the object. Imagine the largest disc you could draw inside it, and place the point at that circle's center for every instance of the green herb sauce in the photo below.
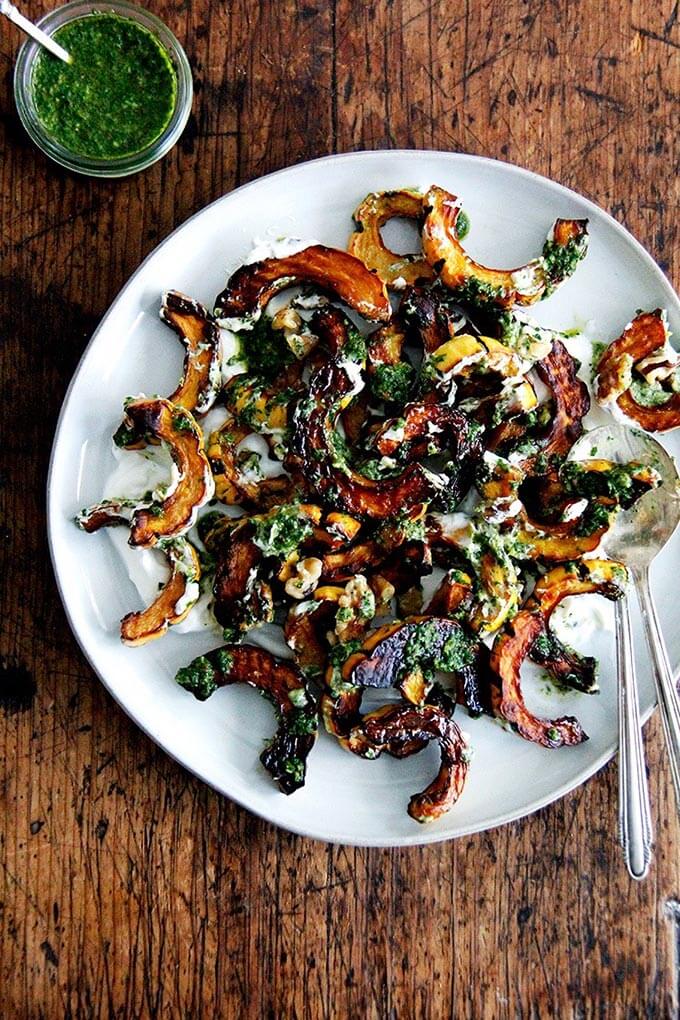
(649, 394)
(115, 98)
(282, 530)
(265, 350)
(561, 260)
(462, 225)
(392, 382)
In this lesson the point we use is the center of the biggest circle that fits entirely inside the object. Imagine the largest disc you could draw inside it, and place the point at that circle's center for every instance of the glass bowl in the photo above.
(94, 167)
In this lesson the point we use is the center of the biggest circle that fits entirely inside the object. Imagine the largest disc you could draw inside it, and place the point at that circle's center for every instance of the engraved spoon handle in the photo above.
(666, 691)
(635, 823)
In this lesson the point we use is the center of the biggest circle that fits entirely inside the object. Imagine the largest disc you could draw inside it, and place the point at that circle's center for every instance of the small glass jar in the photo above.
(91, 166)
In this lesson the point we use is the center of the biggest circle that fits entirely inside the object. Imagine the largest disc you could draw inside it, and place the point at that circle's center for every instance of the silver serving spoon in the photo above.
(10, 11)
(637, 536)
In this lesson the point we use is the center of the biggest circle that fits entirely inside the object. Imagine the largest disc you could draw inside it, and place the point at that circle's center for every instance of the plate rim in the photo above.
(423, 836)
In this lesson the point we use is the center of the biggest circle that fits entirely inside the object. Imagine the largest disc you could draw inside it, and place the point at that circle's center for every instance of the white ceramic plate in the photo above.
(346, 799)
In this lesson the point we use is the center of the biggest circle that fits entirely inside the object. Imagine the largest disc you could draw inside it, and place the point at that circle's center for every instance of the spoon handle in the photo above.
(9, 10)
(666, 690)
(635, 823)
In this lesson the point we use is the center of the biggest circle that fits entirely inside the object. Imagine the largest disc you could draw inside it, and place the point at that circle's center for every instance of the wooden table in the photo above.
(127, 888)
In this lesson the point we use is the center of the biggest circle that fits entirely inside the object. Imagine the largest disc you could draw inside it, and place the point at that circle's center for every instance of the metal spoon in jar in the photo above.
(10, 12)
(636, 537)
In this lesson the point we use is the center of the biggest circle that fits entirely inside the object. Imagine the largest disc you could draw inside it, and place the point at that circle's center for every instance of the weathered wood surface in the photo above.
(128, 889)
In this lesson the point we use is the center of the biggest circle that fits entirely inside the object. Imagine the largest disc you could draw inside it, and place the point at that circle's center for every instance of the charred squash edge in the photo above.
(175, 427)
(366, 241)
(648, 332)
(504, 287)
(512, 646)
(153, 622)
(252, 286)
(402, 729)
(200, 336)
(282, 683)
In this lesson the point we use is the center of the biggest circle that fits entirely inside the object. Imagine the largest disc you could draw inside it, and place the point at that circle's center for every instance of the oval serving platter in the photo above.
(345, 799)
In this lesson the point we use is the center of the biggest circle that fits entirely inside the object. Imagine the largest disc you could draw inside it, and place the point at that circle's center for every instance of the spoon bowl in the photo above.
(636, 537)
(639, 534)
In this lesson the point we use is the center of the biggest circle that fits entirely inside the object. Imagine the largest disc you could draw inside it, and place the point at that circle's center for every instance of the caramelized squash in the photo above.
(282, 683)
(175, 599)
(199, 333)
(235, 487)
(564, 249)
(315, 446)
(405, 655)
(400, 730)
(252, 286)
(175, 427)
(643, 339)
(202, 373)
(497, 583)
(367, 244)
(519, 637)
(110, 513)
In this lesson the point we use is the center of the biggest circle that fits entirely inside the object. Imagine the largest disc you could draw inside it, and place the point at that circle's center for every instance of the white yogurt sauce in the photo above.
(276, 248)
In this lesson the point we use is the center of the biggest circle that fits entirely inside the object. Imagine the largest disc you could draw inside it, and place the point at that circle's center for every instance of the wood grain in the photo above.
(128, 889)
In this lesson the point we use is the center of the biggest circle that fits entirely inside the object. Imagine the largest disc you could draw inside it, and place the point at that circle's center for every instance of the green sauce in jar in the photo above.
(115, 98)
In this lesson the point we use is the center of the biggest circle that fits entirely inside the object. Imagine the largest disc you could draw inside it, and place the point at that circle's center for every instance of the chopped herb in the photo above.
(302, 720)
(282, 530)
(198, 678)
(295, 767)
(648, 394)
(392, 383)
(181, 422)
(593, 519)
(462, 225)
(264, 349)
(476, 293)
(354, 347)
(224, 660)
(458, 652)
(125, 435)
(560, 260)
(598, 350)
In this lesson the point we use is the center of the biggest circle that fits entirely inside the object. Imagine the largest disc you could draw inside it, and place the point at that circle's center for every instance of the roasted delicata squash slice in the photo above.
(640, 374)
(200, 336)
(238, 478)
(454, 595)
(332, 270)
(401, 730)
(175, 599)
(467, 367)
(282, 683)
(565, 247)
(550, 430)
(431, 316)
(497, 583)
(405, 656)
(510, 648)
(367, 244)
(175, 427)
(202, 373)
(391, 375)
(424, 429)
(243, 595)
(110, 513)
